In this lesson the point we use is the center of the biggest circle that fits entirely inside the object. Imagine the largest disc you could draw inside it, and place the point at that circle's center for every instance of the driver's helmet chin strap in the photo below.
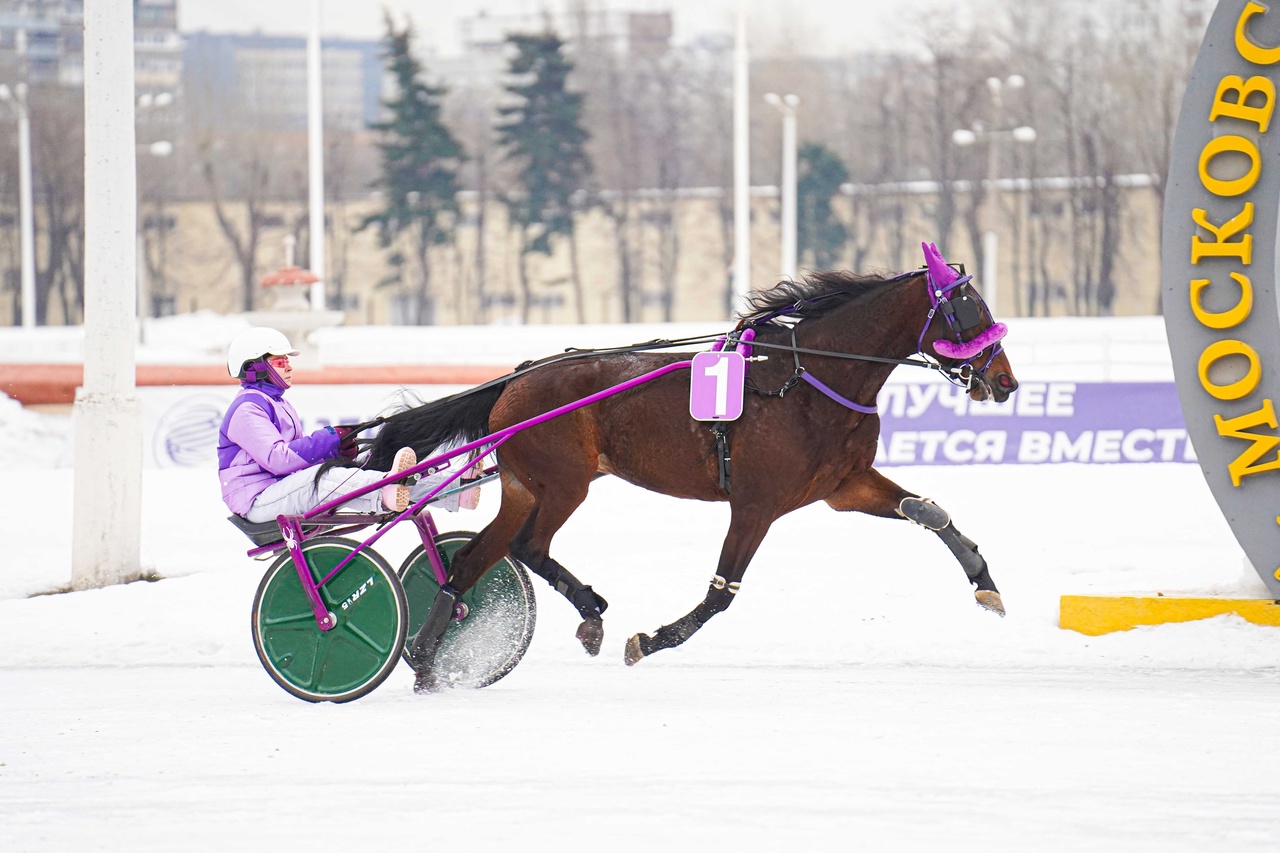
(260, 370)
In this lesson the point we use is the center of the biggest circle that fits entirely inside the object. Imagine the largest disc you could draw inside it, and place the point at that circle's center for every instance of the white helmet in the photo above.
(254, 343)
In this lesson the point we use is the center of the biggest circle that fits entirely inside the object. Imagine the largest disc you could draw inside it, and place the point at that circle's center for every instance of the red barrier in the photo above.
(53, 384)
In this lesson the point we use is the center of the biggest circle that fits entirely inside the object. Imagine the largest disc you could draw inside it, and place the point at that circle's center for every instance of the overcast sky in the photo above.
(833, 24)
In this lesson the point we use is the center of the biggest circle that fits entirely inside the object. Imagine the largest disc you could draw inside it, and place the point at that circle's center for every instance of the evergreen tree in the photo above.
(419, 179)
(820, 232)
(543, 135)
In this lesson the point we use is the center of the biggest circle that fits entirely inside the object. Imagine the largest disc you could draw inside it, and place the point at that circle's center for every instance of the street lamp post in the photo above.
(315, 158)
(26, 211)
(991, 135)
(786, 105)
(741, 163)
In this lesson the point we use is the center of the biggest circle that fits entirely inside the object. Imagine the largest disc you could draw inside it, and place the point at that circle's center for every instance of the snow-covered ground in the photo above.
(852, 698)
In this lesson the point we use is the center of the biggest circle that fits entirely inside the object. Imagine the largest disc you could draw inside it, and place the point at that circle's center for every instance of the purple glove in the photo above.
(317, 447)
(347, 448)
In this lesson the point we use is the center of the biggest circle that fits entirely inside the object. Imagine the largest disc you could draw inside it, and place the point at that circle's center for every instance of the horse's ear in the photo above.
(941, 274)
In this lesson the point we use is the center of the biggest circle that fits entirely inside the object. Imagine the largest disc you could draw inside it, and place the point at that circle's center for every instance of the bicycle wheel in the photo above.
(501, 612)
(359, 652)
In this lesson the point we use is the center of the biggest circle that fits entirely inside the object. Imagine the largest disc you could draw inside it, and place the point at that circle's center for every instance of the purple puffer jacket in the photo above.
(261, 442)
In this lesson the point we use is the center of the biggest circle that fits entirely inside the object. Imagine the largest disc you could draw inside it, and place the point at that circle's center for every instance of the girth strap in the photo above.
(721, 430)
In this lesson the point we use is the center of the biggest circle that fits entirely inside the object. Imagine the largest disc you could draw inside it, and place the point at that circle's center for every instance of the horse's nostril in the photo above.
(1006, 381)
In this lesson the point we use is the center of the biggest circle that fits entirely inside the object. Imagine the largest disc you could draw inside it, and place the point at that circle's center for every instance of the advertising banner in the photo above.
(1042, 423)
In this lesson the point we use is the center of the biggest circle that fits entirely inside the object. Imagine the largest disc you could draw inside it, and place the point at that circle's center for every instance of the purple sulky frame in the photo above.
(324, 518)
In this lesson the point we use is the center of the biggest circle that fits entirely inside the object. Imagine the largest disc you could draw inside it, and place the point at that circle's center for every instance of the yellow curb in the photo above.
(1103, 614)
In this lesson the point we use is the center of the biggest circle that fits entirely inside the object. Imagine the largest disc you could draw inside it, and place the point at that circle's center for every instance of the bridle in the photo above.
(962, 308)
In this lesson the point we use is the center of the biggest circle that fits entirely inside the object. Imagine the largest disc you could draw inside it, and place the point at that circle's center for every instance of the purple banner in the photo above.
(1042, 423)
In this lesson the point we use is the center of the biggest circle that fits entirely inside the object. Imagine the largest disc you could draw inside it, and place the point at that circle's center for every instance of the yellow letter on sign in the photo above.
(1222, 319)
(1241, 387)
(1230, 145)
(1254, 53)
(1221, 247)
(1239, 107)
(1261, 444)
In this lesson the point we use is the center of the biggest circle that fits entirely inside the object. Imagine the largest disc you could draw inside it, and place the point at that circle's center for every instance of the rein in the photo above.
(962, 375)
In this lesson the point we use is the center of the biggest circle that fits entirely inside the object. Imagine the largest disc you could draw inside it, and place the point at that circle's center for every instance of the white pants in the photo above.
(297, 493)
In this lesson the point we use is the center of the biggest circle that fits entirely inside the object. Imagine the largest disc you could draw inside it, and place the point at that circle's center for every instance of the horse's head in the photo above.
(961, 333)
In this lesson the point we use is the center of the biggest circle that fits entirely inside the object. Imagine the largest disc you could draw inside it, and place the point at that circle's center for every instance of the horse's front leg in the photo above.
(871, 492)
(746, 532)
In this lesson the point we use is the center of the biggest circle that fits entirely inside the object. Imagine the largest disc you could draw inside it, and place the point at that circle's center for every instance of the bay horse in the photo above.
(808, 432)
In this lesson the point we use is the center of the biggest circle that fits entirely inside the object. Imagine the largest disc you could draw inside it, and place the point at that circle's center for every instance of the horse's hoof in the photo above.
(990, 600)
(425, 682)
(591, 634)
(632, 652)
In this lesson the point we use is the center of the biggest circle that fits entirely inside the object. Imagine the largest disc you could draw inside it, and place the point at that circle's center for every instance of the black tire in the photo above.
(359, 652)
(501, 614)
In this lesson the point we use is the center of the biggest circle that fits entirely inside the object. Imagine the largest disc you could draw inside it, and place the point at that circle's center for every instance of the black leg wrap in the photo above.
(427, 641)
(966, 553)
(588, 604)
(669, 636)
(584, 599)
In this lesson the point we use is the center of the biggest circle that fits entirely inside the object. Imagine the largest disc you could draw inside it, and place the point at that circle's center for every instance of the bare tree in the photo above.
(237, 171)
(57, 124)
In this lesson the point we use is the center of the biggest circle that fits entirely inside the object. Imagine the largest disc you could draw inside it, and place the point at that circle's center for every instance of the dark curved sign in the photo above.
(1219, 272)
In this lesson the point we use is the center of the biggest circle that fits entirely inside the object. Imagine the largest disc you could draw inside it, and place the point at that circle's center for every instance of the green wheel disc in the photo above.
(501, 612)
(356, 655)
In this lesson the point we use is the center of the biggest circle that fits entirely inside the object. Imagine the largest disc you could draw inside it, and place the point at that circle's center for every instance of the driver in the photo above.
(265, 461)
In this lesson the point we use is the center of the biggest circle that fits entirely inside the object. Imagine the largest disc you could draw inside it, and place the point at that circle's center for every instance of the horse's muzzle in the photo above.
(995, 387)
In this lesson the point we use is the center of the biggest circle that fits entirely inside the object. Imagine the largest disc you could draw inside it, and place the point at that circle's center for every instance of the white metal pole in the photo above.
(106, 505)
(741, 163)
(144, 288)
(990, 277)
(26, 209)
(315, 147)
(990, 242)
(789, 186)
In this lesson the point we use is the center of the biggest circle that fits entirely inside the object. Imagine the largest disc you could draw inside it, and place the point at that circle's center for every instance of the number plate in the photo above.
(715, 386)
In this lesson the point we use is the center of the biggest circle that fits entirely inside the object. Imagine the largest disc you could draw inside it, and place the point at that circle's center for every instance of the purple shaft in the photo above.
(489, 442)
(499, 436)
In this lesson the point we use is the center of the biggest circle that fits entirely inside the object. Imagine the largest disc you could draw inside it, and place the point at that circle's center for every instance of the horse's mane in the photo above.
(816, 294)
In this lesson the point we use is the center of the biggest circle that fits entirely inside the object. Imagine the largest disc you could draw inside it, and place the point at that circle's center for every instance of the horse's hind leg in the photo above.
(873, 493)
(746, 532)
(531, 546)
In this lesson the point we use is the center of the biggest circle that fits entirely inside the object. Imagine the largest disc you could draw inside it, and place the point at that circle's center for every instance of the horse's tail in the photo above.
(461, 418)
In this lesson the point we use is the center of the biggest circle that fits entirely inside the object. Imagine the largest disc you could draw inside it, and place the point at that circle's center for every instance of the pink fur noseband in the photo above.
(968, 349)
